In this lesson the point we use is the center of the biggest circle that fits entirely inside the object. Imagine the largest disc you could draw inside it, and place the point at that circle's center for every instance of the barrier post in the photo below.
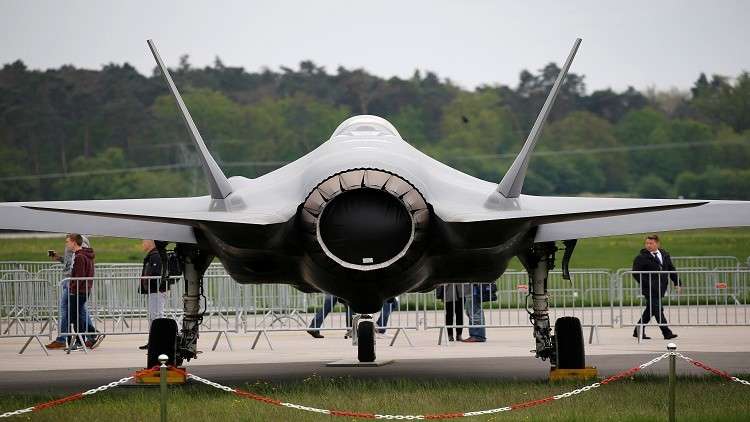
(672, 379)
(163, 386)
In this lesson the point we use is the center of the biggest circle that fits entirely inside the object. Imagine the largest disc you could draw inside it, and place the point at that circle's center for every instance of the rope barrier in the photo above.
(366, 415)
(718, 372)
(77, 396)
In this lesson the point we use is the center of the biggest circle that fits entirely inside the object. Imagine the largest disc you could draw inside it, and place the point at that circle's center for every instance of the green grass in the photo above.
(608, 252)
(639, 399)
(107, 249)
(618, 251)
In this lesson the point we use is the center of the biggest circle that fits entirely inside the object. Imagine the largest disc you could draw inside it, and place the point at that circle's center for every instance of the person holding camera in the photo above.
(64, 312)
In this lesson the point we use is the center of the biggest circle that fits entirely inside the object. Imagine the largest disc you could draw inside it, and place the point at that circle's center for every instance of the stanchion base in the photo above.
(151, 376)
(573, 374)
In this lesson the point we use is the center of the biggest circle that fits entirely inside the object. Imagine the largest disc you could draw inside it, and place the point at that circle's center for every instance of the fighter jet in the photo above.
(366, 217)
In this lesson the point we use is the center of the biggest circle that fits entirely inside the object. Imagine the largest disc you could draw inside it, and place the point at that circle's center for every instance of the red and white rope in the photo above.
(366, 415)
(77, 396)
(715, 371)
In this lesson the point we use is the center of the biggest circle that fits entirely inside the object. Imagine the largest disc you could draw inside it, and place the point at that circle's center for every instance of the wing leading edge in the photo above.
(22, 218)
(713, 214)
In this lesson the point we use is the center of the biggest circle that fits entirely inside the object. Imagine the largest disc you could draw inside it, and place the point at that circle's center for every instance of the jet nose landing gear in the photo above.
(365, 337)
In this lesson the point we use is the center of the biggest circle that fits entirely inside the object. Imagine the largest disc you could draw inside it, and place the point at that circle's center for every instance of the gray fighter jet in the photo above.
(365, 217)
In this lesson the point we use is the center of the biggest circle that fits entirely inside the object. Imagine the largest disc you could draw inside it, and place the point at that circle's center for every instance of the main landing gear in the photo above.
(163, 336)
(565, 348)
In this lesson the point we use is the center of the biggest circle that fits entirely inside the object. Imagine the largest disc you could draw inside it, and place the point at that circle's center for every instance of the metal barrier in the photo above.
(276, 307)
(588, 296)
(30, 303)
(26, 309)
(705, 262)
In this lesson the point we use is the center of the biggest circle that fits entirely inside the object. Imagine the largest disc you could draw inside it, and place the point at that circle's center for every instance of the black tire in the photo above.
(366, 341)
(162, 339)
(569, 347)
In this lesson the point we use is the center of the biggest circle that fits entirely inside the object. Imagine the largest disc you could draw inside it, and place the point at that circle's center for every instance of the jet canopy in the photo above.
(365, 126)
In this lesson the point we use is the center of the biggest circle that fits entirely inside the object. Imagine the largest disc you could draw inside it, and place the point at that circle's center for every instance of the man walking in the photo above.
(389, 306)
(328, 303)
(653, 264)
(80, 287)
(152, 282)
(64, 324)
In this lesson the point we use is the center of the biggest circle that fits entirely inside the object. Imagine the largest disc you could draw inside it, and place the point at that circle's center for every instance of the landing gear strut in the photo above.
(565, 349)
(195, 262)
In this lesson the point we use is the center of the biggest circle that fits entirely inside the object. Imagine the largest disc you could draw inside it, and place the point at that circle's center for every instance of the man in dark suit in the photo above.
(654, 283)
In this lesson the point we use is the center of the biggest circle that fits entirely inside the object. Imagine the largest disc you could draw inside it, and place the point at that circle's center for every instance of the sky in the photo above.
(662, 44)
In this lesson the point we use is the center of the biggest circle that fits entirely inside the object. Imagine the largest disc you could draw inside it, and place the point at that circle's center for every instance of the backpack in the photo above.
(171, 268)
(488, 292)
(173, 264)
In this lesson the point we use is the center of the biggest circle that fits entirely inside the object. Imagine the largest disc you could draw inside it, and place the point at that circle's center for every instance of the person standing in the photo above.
(453, 298)
(656, 270)
(79, 288)
(388, 307)
(153, 283)
(473, 297)
(328, 303)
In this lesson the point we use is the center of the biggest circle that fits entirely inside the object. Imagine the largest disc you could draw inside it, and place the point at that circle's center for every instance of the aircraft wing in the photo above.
(15, 217)
(712, 214)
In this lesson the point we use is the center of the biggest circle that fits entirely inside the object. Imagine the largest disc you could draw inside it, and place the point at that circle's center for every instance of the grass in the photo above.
(108, 249)
(637, 399)
(608, 252)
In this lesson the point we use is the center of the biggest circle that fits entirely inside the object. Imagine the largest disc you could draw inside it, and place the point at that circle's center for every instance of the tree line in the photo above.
(70, 133)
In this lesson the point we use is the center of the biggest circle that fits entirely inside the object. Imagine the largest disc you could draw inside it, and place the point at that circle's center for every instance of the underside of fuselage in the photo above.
(287, 253)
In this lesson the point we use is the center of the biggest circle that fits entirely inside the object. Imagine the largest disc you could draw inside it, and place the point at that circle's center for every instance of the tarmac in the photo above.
(296, 356)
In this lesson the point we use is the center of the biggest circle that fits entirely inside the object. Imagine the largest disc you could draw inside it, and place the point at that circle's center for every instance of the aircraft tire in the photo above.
(366, 341)
(162, 339)
(569, 343)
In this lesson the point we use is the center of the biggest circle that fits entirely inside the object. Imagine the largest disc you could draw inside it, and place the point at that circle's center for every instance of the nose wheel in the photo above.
(366, 339)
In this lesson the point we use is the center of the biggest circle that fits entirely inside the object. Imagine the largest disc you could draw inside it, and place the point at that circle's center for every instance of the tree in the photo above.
(720, 101)
(582, 131)
(714, 184)
(652, 186)
(478, 123)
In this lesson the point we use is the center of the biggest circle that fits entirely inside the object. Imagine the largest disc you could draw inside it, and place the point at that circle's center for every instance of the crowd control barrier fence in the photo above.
(33, 295)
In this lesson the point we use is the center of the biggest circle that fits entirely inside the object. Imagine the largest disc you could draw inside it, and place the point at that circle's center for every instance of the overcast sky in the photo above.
(640, 43)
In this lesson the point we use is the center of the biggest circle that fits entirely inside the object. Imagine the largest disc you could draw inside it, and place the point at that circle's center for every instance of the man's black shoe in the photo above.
(315, 334)
(144, 347)
(643, 337)
(670, 336)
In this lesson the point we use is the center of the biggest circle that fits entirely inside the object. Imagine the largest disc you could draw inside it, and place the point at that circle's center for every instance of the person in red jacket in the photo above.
(80, 286)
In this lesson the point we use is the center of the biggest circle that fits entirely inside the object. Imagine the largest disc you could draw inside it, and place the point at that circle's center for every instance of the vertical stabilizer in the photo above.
(510, 186)
(218, 185)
